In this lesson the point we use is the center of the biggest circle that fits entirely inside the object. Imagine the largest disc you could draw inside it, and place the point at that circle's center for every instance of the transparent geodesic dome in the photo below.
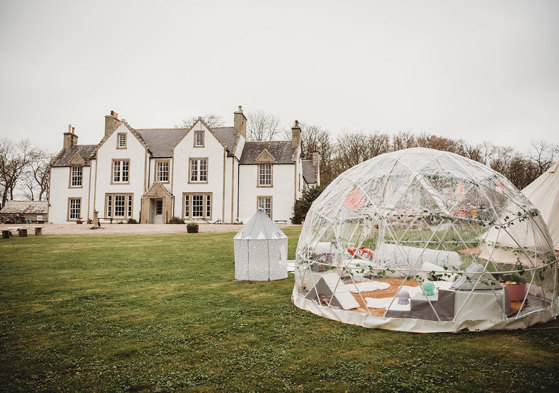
(425, 240)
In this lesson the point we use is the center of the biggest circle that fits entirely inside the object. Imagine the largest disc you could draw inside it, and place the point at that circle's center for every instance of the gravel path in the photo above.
(84, 229)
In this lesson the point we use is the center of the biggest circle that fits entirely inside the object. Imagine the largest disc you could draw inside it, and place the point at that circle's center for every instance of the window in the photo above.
(118, 205)
(120, 171)
(198, 170)
(162, 171)
(197, 205)
(158, 207)
(74, 208)
(265, 203)
(76, 176)
(199, 139)
(265, 175)
(121, 141)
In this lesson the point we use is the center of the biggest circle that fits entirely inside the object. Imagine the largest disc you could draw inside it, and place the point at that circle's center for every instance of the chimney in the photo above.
(70, 138)
(315, 160)
(111, 123)
(240, 123)
(296, 135)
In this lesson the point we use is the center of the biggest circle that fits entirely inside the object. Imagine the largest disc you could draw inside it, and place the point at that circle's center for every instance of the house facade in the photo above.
(200, 173)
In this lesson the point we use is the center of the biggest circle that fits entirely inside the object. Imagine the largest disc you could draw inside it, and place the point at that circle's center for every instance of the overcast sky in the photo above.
(478, 70)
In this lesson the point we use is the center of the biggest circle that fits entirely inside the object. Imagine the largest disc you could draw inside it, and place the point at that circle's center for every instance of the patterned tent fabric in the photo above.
(260, 250)
(430, 226)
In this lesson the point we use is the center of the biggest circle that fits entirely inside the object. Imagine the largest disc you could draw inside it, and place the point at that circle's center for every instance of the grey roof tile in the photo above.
(86, 151)
(162, 140)
(21, 207)
(226, 135)
(309, 173)
(281, 150)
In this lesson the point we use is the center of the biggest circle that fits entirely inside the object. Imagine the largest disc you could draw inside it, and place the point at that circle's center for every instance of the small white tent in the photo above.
(544, 194)
(260, 250)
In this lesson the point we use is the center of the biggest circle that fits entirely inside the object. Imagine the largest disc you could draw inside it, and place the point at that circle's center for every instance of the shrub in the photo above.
(176, 220)
(192, 227)
(132, 221)
(303, 204)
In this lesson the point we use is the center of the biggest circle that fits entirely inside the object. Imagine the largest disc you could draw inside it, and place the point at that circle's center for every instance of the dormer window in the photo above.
(199, 139)
(265, 175)
(121, 140)
(76, 175)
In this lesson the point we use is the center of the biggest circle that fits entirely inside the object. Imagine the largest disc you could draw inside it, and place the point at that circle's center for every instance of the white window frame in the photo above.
(74, 209)
(121, 140)
(111, 205)
(162, 176)
(119, 171)
(76, 177)
(198, 170)
(265, 175)
(202, 141)
(205, 200)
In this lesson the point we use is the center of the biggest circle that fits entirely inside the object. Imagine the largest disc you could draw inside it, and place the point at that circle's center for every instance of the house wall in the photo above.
(60, 192)
(282, 192)
(215, 152)
(136, 153)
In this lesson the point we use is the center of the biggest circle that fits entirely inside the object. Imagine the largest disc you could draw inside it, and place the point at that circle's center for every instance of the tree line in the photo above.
(25, 169)
(343, 151)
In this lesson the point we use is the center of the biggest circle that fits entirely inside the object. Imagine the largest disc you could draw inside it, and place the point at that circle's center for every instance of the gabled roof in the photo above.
(162, 140)
(260, 227)
(85, 151)
(309, 172)
(282, 151)
(25, 207)
(158, 190)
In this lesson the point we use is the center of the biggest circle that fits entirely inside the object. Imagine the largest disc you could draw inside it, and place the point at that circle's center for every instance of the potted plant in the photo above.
(192, 227)
(516, 286)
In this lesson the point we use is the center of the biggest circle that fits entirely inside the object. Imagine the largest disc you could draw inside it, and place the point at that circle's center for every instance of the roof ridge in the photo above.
(153, 129)
(282, 140)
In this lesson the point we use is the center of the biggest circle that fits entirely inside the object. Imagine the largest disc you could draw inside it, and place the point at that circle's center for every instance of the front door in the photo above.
(157, 211)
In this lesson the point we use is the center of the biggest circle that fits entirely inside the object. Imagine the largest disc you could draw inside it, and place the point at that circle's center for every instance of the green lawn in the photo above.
(163, 313)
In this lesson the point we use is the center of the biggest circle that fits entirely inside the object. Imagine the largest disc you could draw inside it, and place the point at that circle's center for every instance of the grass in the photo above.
(163, 313)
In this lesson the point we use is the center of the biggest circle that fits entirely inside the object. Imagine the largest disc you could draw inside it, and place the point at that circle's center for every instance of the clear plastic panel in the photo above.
(425, 235)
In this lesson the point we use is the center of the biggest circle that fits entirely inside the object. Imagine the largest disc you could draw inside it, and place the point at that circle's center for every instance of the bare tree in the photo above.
(543, 154)
(500, 158)
(403, 140)
(14, 159)
(354, 148)
(36, 178)
(210, 119)
(262, 126)
(316, 139)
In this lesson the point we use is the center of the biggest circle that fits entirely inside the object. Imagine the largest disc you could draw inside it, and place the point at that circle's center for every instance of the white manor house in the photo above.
(201, 173)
